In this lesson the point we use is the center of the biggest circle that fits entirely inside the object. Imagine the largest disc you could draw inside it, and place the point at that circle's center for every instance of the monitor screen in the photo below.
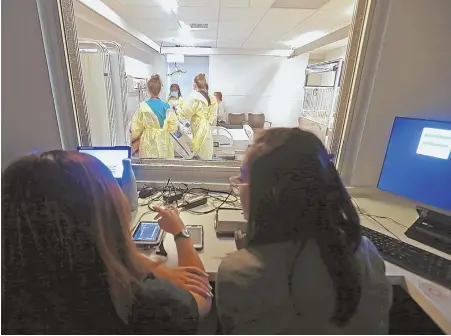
(110, 156)
(417, 163)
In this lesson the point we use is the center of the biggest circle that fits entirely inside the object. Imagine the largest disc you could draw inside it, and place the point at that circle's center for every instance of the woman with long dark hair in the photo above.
(304, 268)
(175, 99)
(69, 265)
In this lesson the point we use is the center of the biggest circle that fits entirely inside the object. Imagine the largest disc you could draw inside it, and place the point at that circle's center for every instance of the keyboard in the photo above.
(425, 264)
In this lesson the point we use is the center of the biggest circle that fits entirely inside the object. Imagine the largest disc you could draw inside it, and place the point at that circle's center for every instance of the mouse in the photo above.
(146, 192)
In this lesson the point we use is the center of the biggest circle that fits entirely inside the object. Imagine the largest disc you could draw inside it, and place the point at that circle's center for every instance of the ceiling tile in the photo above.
(197, 14)
(252, 15)
(252, 24)
(320, 21)
(276, 23)
(125, 3)
(261, 3)
(235, 30)
(235, 3)
(299, 4)
(261, 44)
(195, 3)
(338, 5)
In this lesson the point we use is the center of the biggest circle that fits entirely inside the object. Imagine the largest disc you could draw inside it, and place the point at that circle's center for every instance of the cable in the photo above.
(139, 220)
(372, 218)
(211, 210)
(377, 216)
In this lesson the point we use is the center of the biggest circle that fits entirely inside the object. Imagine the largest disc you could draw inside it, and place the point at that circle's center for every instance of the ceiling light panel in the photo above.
(299, 4)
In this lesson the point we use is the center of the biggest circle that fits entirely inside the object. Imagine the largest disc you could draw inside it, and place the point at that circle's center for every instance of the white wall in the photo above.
(136, 68)
(192, 65)
(410, 75)
(261, 84)
(29, 119)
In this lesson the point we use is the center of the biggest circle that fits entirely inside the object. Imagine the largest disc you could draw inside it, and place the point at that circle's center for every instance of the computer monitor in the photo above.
(110, 156)
(417, 163)
(417, 166)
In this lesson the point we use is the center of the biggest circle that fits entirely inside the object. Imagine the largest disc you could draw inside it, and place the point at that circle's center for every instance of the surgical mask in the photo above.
(174, 93)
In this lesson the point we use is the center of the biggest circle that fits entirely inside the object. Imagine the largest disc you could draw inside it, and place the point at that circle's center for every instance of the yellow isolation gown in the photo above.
(154, 140)
(202, 117)
(176, 102)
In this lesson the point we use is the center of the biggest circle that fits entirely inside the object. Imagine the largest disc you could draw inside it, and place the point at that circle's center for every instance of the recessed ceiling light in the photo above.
(193, 26)
(305, 38)
(183, 25)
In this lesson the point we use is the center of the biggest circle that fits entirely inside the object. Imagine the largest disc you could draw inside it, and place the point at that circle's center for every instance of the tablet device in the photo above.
(110, 156)
(147, 233)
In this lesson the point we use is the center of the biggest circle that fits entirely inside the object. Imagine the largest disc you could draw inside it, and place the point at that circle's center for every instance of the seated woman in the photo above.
(222, 119)
(69, 263)
(152, 125)
(305, 267)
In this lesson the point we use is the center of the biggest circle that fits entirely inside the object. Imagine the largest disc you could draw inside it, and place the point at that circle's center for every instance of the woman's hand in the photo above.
(192, 279)
(169, 220)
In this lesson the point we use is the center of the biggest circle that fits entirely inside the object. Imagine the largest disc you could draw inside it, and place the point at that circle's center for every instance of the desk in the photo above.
(436, 302)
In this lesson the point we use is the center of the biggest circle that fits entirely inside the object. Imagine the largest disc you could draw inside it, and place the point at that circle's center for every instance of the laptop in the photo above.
(110, 156)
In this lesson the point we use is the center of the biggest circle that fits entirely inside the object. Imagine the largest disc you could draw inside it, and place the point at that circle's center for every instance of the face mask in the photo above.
(174, 93)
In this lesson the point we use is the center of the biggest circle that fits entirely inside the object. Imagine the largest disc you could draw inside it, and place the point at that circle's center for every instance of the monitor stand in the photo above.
(432, 229)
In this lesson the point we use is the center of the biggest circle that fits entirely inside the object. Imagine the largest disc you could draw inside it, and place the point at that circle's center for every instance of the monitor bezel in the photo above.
(418, 202)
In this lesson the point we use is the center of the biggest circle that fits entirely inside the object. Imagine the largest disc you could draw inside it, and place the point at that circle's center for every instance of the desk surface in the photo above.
(434, 299)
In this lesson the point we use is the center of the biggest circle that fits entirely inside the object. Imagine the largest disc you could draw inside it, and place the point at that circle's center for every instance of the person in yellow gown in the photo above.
(152, 125)
(175, 99)
(201, 109)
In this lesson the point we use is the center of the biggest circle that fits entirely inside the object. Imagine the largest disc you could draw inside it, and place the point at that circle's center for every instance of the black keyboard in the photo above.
(427, 265)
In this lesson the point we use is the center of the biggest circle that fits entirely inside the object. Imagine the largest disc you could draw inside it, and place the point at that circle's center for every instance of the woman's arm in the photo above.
(171, 123)
(187, 110)
(191, 273)
(137, 125)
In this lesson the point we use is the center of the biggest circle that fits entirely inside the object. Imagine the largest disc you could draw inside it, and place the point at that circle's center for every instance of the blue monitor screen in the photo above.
(110, 156)
(417, 163)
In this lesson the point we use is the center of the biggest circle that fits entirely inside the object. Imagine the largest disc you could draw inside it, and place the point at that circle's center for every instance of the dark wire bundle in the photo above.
(213, 195)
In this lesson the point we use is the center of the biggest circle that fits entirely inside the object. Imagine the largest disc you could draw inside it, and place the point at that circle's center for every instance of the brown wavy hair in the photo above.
(296, 194)
(66, 245)
(154, 85)
(201, 81)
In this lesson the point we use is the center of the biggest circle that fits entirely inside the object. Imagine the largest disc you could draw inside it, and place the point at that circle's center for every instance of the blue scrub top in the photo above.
(158, 107)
